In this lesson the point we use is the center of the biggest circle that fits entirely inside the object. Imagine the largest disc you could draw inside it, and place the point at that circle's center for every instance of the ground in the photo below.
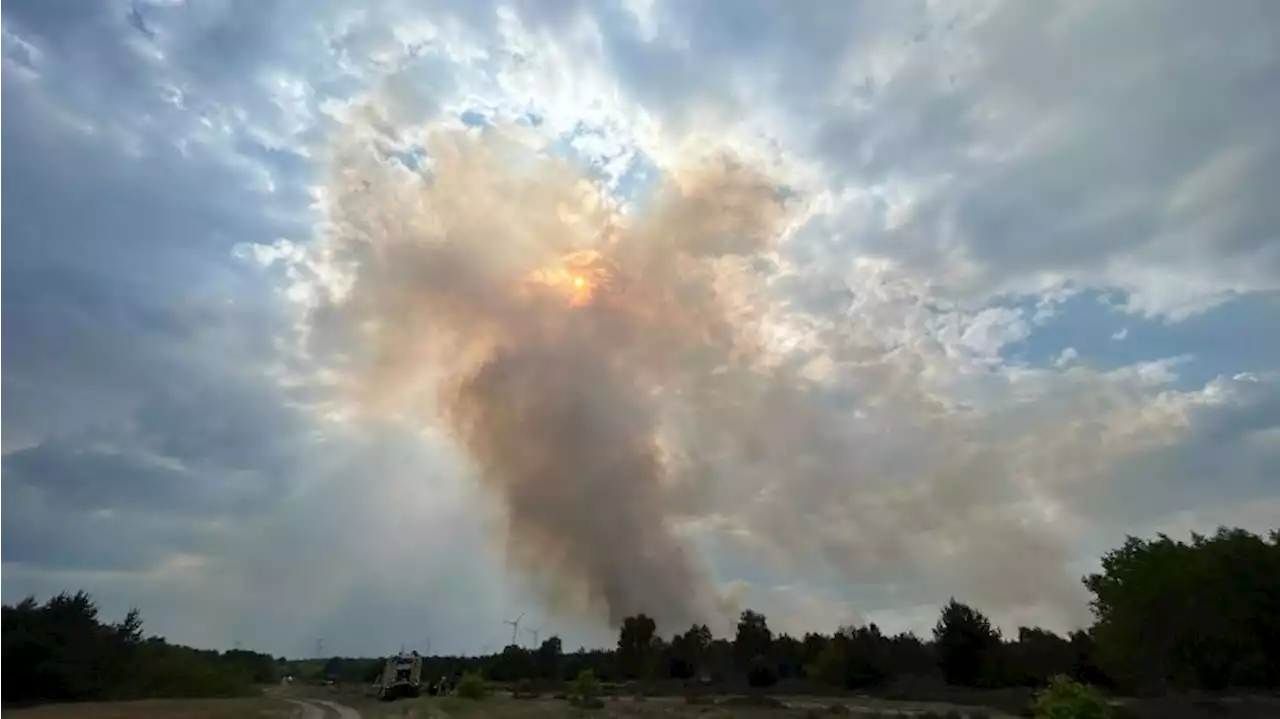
(255, 708)
(502, 707)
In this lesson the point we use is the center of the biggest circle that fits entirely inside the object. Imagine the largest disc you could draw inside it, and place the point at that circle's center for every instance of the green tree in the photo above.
(1204, 614)
(968, 646)
(584, 690)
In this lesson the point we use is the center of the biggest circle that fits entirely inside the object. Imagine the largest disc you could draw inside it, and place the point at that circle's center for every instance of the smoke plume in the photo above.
(502, 296)
(611, 374)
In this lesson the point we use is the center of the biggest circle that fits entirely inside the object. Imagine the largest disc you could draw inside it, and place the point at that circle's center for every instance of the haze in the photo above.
(324, 319)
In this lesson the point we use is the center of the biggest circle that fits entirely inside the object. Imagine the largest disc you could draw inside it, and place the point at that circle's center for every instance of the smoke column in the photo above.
(500, 295)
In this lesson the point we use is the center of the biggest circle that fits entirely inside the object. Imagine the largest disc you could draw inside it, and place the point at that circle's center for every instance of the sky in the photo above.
(928, 300)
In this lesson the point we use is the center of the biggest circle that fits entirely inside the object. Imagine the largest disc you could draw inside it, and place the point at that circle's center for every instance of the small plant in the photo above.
(472, 686)
(1066, 698)
(584, 691)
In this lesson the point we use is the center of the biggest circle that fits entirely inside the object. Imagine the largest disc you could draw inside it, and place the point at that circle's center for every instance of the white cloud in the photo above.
(960, 172)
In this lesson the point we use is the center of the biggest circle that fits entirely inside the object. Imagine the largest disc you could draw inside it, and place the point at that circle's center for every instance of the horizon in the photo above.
(365, 323)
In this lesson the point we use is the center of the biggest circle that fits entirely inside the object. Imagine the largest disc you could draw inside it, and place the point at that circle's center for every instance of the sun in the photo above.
(579, 282)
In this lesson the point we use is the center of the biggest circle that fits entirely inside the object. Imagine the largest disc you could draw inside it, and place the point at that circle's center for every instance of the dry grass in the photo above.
(500, 707)
(252, 708)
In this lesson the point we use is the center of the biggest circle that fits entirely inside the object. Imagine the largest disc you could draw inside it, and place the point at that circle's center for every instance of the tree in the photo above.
(549, 658)
(1038, 656)
(855, 658)
(689, 651)
(62, 651)
(967, 645)
(1204, 614)
(635, 645)
(753, 639)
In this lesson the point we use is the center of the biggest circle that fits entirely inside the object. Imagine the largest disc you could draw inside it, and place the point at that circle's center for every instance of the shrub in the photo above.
(525, 689)
(472, 686)
(584, 691)
(1068, 699)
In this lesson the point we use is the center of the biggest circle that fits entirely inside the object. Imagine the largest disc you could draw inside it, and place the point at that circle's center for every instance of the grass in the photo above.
(263, 707)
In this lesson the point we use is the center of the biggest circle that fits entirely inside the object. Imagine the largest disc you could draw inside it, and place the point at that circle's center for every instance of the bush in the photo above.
(524, 689)
(472, 686)
(585, 690)
(1068, 699)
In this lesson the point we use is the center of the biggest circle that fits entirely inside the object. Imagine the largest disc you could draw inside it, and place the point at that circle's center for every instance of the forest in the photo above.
(1169, 616)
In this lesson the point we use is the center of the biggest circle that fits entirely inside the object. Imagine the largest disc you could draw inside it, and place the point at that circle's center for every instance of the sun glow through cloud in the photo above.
(823, 302)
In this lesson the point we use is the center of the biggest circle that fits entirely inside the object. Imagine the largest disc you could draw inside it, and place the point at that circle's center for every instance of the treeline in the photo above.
(1169, 615)
(60, 651)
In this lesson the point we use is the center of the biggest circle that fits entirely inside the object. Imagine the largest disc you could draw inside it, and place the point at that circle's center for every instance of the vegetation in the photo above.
(585, 690)
(472, 686)
(1068, 699)
(61, 651)
(1170, 616)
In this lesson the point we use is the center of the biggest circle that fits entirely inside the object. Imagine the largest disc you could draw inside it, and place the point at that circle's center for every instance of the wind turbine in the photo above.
(515, 626)
(534, 632)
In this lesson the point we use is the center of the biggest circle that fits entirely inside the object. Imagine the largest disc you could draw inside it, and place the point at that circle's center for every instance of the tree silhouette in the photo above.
(753, 639)
(967, 645)
(1204, 614)
(635, 645)
(689, 652)
(549, 655)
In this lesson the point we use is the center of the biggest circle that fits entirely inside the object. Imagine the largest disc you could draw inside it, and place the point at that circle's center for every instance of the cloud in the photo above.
(961, 186)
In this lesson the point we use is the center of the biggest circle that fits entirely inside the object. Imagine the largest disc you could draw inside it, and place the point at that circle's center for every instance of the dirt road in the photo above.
(324, 709)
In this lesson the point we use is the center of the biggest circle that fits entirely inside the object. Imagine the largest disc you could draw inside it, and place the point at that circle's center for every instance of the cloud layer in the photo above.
(982, 289)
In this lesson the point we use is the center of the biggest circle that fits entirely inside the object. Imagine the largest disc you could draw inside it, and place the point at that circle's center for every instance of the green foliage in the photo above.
(472, 686)
(1199, 615)
(1068, 699)
(585, 690)
(62, 651)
